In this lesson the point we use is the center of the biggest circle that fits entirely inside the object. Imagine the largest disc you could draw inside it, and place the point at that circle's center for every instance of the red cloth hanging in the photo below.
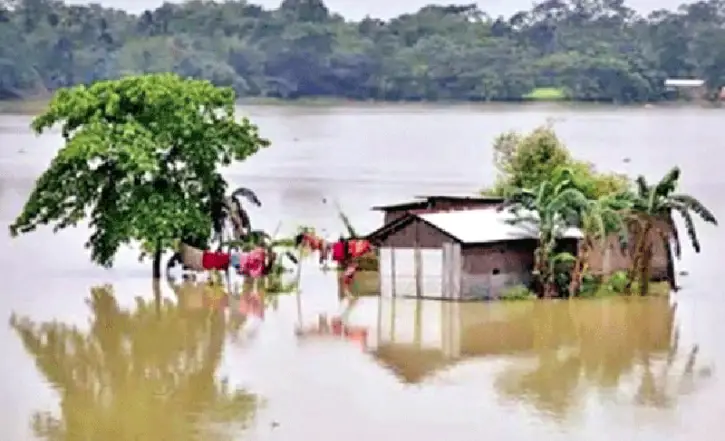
(355, 248)
(211, 260)
(359, 247)
(338, 251)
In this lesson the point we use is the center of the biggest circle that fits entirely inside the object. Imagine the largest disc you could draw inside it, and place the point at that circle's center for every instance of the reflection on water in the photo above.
(141, 374)
(150, 372)
(557, 354)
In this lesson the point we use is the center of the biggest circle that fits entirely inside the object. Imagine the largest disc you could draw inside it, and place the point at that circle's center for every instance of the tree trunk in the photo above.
(578, 271)
(634, 269)
(671, 278)
(646, 270)
(540, 268)
(156, 287)
(156, 271)
(550, 290)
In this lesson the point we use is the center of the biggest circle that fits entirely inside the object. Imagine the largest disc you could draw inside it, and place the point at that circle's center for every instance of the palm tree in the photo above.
(651, 213)
(552, 207)
(135, 375)
(599, 219)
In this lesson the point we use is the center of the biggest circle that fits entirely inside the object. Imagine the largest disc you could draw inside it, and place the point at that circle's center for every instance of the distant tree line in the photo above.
(588, 49)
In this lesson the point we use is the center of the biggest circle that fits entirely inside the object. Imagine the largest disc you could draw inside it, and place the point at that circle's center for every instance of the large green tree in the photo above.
(526, 160)
(142, 159)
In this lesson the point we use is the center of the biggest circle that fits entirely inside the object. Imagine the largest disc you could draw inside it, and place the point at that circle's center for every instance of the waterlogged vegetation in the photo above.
(558, 49)
(545, 185)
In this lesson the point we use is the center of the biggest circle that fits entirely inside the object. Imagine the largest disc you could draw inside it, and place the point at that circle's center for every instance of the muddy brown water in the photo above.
(88, 362)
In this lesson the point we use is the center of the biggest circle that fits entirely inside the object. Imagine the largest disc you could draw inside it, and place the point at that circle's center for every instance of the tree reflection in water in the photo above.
(628, 347)
(141, 374)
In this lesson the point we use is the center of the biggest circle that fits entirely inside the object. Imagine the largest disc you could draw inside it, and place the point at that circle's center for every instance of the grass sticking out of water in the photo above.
(656, 289)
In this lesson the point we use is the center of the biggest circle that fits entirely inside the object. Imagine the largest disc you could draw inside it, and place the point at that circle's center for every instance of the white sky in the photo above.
(388, 8)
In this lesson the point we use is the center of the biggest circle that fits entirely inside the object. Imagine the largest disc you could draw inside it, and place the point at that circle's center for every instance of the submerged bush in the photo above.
(617, 282)
(517, 292)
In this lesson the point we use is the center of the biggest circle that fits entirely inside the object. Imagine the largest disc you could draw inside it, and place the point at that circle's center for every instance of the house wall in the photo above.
(393, 215)
(426, 235)
(404, 282)
(609, 258)
(489, 269)
(399, 245)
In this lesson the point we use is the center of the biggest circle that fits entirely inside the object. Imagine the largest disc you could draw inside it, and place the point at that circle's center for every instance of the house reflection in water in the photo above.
(419, 337)
(553, 346)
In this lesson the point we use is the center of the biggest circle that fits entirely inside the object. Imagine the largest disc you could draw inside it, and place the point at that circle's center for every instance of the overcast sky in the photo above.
(388, 8)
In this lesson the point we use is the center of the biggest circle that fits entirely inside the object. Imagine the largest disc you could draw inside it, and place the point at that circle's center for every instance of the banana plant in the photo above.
(231, 211)
(652, 215)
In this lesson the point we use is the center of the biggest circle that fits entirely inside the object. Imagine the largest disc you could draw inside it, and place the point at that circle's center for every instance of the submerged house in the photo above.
(686, 88)
(468, 254)
(463, 248)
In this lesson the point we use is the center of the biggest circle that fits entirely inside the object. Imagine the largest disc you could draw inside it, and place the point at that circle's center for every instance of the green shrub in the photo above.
(618, 282)
(517, 292)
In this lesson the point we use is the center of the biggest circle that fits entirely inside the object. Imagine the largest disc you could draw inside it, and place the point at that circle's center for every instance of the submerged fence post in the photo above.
(393, 282)
(418, 263)
(456, 272)
(445, 271)
(418, 273)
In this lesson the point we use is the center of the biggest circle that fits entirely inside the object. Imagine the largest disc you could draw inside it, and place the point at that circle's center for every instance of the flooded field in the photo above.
(90, 355)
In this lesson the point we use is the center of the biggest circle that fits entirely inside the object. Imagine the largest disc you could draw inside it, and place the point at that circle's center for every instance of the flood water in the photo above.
(84, 360)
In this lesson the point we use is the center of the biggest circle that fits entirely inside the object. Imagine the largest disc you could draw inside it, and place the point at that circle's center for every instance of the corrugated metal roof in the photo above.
(389, 226)
(401, 205)
(423, 200)
(461, 197)
(486, 225)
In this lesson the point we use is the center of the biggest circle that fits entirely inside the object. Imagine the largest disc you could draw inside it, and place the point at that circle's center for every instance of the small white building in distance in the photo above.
(687, 88)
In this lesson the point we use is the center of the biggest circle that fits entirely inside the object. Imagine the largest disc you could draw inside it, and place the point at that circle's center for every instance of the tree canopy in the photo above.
(526, 160)
(142, 157)
(588, 49)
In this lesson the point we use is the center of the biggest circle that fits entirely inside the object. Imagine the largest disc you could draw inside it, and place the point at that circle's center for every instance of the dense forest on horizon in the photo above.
(590, 49)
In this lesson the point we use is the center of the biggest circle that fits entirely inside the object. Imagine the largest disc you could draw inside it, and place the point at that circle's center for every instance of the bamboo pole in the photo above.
(394, 290)
(298, 277)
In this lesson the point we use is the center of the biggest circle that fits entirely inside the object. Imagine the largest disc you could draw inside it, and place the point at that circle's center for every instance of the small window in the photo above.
(496, 271)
